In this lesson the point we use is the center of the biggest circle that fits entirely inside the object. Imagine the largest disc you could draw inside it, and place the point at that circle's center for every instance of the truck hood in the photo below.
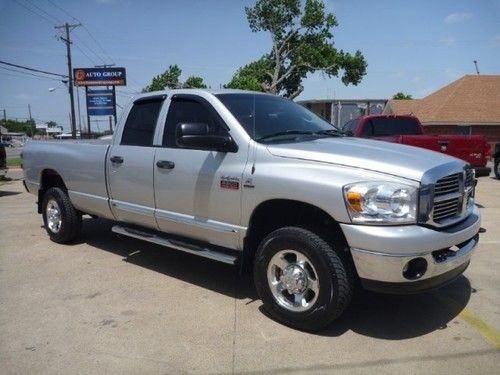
(390, 158)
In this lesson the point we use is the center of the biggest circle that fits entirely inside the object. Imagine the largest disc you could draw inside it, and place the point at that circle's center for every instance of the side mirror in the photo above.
(196, 135)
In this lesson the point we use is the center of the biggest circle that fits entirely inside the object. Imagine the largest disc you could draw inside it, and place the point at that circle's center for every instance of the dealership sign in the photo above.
(99, 77)
(100, 103)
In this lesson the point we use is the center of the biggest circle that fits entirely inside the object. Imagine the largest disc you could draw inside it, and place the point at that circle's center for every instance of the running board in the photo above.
(203, 251)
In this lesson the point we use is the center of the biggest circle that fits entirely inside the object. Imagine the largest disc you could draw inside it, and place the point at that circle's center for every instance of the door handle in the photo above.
(116, 159)
(165, 164)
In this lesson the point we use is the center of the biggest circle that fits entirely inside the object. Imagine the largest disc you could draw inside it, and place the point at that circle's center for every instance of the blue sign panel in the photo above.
(100, 103)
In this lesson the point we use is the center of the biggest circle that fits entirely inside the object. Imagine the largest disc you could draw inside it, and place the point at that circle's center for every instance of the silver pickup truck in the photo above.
(259, 181)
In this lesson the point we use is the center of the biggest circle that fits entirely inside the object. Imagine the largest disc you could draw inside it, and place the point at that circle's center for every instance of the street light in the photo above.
(65, 82)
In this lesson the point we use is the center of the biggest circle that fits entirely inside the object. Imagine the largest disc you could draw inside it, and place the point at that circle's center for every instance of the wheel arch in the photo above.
(49, 178)
(277, 213)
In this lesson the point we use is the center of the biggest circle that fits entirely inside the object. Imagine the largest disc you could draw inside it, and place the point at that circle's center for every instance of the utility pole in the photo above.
(32, 125)
(4, 116)
(68, 28)
(477, 69)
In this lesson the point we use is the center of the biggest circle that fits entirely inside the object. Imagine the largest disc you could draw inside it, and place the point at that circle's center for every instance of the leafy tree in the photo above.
(402, 96)
(168, 79)
(302, 43)
(27, 127)
(52, 124)
(251, 76)
(194, 82)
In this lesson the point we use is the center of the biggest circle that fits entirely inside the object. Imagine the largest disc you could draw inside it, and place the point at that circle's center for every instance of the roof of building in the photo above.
(472, 99)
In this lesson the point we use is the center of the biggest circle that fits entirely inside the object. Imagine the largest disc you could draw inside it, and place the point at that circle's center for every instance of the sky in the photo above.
(411, 46)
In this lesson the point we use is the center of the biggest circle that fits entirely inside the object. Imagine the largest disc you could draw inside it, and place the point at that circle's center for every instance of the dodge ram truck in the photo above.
(258, 181)
(408, 130)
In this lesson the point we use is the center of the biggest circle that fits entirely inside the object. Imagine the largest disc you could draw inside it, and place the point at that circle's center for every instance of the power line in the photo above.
(96, 41)
(32, 11)
(32, 69)
(31, 74)
(87, 56)
(90, 49)
(43, 11)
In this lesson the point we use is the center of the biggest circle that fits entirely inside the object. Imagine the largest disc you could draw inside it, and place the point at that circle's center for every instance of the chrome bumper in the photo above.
(389, 268)
(381, 254)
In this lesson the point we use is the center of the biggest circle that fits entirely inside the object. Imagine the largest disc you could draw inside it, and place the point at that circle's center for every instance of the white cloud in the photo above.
(448, 41)
(457, 17)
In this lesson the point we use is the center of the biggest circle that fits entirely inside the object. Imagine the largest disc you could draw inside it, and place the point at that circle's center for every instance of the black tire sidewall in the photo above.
(325, 308)
(70, 219)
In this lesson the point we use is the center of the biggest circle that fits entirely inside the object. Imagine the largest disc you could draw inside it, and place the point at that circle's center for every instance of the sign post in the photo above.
(100, 102)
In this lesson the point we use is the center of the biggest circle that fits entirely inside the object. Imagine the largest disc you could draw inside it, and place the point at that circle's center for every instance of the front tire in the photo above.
(62, 221)
(301, 280)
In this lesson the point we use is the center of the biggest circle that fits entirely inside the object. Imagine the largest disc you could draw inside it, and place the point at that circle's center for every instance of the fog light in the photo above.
(415, 269)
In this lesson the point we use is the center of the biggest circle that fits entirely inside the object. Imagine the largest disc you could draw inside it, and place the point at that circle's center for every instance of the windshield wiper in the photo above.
(287, 132)
(332, 132)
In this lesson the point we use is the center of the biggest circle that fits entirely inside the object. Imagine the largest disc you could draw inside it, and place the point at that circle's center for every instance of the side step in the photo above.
(213, 252)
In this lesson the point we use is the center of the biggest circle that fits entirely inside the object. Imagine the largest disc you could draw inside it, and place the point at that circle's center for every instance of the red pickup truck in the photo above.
(408, 130)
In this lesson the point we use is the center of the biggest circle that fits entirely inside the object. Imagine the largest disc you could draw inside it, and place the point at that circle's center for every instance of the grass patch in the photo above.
(14, 162)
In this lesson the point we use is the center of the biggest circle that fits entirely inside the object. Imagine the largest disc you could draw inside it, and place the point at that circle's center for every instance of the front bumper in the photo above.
(381, 254)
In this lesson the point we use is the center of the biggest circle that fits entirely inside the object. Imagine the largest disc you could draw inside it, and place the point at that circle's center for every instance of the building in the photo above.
(338, 112)
(469, 105)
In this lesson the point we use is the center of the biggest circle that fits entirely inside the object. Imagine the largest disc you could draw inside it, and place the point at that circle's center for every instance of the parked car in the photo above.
(256, 180)
(496, 159)
(408, 130)
(3, 159)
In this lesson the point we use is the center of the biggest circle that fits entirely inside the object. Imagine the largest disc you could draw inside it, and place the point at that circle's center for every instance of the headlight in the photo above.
(381, 203)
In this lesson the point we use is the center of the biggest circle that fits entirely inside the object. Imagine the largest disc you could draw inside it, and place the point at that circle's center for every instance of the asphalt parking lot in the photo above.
(109, 304)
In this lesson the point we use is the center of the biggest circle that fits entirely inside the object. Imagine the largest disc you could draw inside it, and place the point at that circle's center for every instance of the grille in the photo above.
(447, 185)
(450, 193)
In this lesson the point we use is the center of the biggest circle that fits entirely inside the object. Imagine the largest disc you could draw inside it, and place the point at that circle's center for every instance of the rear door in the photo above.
(199, 195)
(130, 164)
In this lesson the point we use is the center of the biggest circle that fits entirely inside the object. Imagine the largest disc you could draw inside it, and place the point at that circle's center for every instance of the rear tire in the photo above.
(62, 221)
(301, 280)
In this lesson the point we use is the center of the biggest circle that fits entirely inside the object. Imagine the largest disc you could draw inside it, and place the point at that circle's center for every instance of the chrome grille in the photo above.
(452, 195)
(445, 209)
(447, 185)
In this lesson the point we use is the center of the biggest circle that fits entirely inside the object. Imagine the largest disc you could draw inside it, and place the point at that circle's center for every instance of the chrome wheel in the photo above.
(293, 280)
(53, 213)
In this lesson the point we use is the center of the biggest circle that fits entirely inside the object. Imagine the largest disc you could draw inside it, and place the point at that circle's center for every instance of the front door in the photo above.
(198, 192)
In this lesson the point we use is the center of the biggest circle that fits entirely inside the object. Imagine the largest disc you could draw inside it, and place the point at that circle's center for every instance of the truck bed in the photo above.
(80, 163)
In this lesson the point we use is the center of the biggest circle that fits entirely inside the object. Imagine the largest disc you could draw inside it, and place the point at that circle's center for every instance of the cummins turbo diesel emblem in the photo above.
(231, 183)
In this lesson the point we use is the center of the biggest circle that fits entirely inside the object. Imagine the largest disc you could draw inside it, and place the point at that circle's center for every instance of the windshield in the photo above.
(268, 118)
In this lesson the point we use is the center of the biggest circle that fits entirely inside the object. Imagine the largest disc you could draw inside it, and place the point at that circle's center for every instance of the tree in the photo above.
(51, 124)
(168, 79)
(402, 96)
(251, 76)
(302, 43)
(194, 82)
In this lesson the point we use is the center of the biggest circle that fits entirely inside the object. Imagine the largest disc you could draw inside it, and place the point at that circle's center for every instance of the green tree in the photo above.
(302, 43)
(194, 82)
(402, 96)
(168, 79)
(51, 124)
(251, 76)
(27, 127)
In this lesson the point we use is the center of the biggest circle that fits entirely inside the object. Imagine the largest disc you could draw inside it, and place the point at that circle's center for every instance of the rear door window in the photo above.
(140, 126)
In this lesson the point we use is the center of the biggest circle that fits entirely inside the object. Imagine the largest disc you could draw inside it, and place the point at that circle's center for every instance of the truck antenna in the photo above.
(477, 69)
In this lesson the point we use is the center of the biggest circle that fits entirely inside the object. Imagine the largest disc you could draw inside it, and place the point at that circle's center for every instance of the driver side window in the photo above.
(183, 111)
